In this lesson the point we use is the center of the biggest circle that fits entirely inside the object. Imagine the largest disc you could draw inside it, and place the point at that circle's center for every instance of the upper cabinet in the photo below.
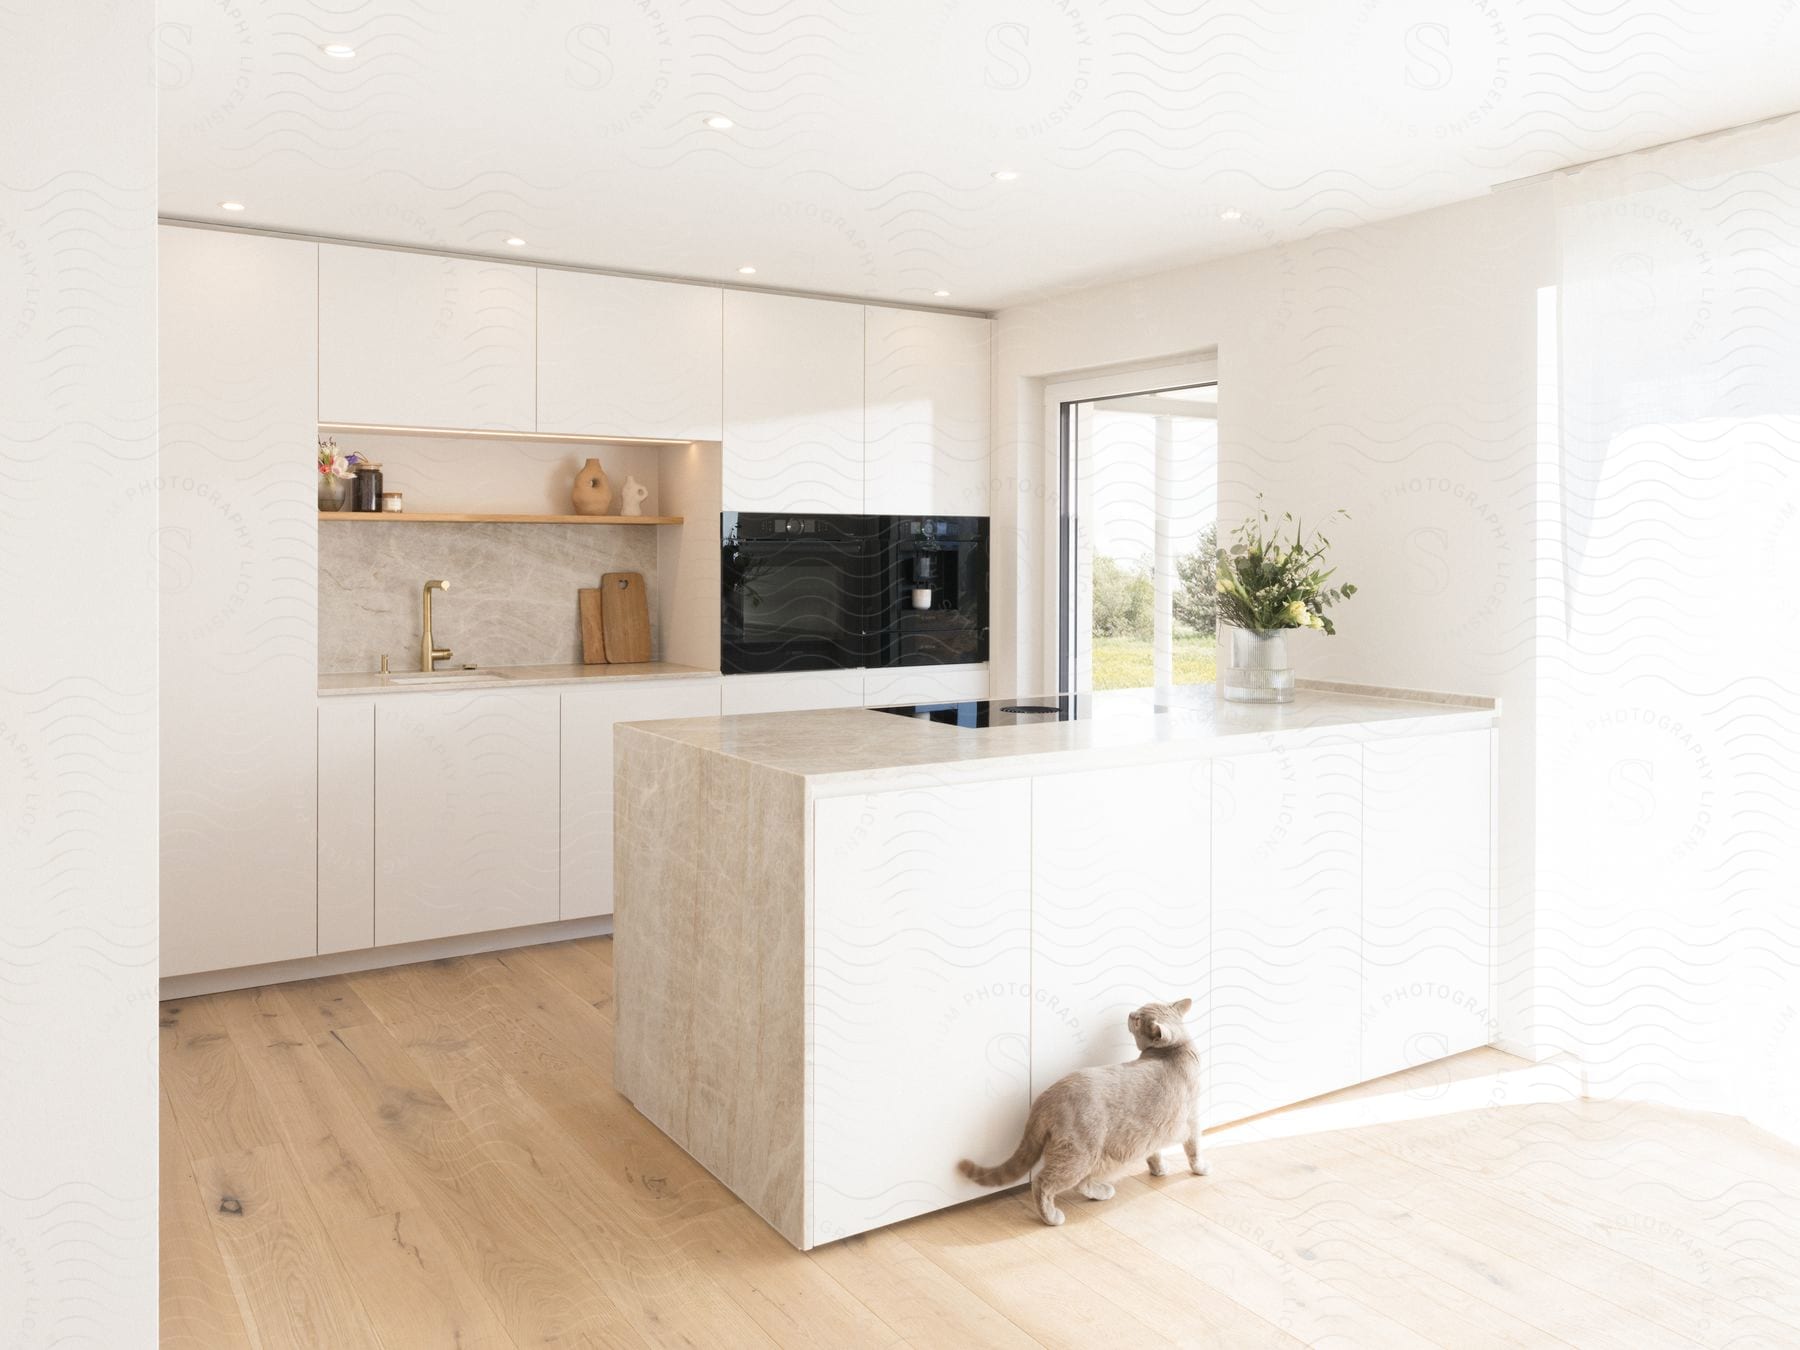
(411, 339)
(793, 404)
(926, 378)
(623, 357)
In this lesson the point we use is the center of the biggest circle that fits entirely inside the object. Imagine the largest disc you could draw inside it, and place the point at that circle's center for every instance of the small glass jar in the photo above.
(368, 486)
(393, 502)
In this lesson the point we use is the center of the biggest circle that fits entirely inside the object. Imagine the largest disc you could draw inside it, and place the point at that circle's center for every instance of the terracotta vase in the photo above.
(593, 493)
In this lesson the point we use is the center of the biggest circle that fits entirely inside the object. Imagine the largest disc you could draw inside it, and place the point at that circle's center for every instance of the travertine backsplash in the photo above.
(512, 590)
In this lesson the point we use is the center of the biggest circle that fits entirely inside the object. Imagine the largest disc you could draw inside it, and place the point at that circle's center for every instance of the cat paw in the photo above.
(1099, 1190)
(1054, 1218)
(1200, 1167)
(1157, 1167)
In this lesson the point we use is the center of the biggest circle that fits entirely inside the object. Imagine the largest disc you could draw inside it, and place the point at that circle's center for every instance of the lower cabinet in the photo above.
(1427, 898)
(923, 684)
(1286, 928)
(588, 718)
(920, 997)
(346, 825)
(466, 812)
(791, 691)
(1121, 908)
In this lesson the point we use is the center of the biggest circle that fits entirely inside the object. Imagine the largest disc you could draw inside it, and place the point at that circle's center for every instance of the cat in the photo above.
(1086, 1125)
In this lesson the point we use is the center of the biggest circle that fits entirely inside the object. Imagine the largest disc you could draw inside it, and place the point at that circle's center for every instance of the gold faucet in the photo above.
(429, 655)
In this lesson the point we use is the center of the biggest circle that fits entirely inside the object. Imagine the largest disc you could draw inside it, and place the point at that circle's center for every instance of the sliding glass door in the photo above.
(1138, 534)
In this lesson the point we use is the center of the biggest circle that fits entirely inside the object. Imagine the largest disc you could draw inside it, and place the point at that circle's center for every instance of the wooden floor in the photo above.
(433, 1156)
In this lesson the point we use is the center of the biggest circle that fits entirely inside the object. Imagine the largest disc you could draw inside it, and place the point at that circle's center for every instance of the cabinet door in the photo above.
(465, 813)
(1287, 952)
(793, 404)
(238, 606)
(920, 1001)
(346, 825)
(791, 691)
(588, 718)
(408, 339)
(1121, 909)
(1427, 898)
(623, 357)
(923, 684)
(927, 429)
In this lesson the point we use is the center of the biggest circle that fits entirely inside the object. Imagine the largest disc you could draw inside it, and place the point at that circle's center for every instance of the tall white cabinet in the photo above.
(238, 602)
(926, 431)
(418, 340)
(793, 392)
(619, 356)
(921, 977)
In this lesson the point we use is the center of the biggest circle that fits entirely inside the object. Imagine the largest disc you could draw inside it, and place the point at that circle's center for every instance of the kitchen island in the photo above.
(850, 947)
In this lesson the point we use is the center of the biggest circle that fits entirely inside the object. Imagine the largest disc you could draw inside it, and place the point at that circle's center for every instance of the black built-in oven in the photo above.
(837, 592)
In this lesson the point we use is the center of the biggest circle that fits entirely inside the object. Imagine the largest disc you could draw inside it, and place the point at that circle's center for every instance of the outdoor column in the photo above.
(1162, 633)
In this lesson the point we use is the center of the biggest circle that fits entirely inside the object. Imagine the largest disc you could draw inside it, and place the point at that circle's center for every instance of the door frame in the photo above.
(1060, 392)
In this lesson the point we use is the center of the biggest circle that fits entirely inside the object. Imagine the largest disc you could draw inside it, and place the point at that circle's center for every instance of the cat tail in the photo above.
(1024, 1158)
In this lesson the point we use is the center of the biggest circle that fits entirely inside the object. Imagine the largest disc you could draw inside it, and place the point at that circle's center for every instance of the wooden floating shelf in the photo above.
(443, 517)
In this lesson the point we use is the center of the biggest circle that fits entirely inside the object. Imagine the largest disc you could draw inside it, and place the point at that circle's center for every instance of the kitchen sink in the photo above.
(448, 678)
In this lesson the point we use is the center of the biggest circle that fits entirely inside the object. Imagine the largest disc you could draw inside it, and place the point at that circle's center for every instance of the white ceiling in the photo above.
(868, 130)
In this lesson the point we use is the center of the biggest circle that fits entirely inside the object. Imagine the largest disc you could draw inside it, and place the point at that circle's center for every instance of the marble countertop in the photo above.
(506, 677)
(860, 744)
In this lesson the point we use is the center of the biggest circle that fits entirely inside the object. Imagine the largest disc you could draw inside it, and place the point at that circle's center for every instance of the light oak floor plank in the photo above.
(435, 1155)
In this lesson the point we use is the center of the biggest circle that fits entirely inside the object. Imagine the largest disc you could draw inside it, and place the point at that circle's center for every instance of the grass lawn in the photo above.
(1124, 663)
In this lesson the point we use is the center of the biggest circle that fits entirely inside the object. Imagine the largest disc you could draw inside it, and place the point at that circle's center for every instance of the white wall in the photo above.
(1390, 370)
(78, 603)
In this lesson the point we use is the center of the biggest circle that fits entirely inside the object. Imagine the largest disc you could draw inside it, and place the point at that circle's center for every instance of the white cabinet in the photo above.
(1286, 932)
(923, 684)
(410, 339)
(466, 813)
(346, 825)
(927, 426)
(238, 606)
(793, 404)
(1427, 898)
(622, 357)
(1120, 908)
(791, 691)
(588, 718)
(920, 1015)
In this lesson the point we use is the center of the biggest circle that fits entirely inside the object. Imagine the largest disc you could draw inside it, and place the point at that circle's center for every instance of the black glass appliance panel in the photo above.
(1016, 712)
(935, 590)
(798, 592)
(827, 592)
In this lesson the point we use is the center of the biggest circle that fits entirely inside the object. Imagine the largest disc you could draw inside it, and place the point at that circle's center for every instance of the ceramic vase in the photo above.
(593, 492)
(632, 495)
(1258, 669)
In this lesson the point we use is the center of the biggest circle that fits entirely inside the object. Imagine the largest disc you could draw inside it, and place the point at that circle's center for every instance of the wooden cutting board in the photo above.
(593, 633)
(625, 615)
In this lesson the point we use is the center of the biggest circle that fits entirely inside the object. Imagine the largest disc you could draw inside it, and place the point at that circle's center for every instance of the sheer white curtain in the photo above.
(1669, 751)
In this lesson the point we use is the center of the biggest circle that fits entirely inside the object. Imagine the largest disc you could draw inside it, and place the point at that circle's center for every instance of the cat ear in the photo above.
(1183, 1006)
(1153, 1031)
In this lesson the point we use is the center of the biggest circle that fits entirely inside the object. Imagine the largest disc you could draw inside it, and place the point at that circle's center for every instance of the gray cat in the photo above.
(1088, 1125)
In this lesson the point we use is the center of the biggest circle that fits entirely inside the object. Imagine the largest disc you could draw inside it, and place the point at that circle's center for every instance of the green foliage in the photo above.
(1124, 598)
(1197, 592)
(1266, 582)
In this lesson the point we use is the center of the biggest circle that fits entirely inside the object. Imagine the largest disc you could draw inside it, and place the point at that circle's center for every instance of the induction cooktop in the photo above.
(1019, 711)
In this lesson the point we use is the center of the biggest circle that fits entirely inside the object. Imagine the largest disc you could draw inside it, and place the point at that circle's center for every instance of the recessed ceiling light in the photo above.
(942, 295)
(1231, 213)
(342, 51)
(1005, 175)
(231, 206)
(746, 271)
(720, 122)
(513, 241)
